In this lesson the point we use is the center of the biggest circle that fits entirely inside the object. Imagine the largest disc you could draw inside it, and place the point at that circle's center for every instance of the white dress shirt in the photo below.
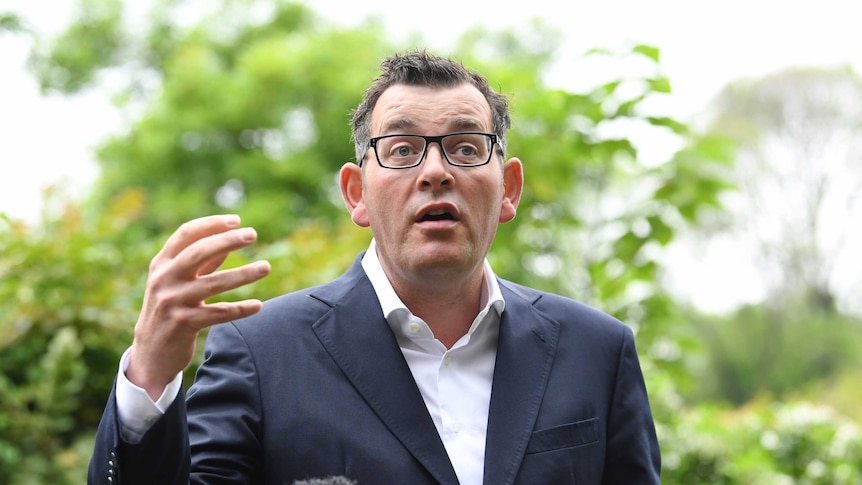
(455, 383)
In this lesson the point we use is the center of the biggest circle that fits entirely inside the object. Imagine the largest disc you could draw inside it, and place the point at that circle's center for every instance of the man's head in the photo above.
(431, 188)
(419, 68)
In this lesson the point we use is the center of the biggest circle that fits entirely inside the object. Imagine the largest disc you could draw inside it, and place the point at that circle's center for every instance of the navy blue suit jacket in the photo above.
(315, 385)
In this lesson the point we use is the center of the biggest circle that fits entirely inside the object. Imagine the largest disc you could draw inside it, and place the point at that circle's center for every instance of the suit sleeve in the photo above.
(211, 437)
(633, 454)
(161, 456)
(225, 412)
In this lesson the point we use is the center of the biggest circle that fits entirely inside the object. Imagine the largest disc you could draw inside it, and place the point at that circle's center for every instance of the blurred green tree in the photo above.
(10, 22)
(69, 290)
(799, 173)
(778, 352)
(797, 210)
(228, 112)
(793, 443)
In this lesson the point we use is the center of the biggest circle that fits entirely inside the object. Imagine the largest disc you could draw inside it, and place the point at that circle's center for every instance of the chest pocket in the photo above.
(564, 436)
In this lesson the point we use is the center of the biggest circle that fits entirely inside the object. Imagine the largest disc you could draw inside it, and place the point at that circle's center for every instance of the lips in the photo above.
(438, 212)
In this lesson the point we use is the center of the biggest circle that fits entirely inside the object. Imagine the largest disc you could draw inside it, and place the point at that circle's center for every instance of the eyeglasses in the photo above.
(467, 149)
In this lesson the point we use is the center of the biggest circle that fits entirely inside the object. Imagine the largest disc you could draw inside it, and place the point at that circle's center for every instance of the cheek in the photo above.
(382, 209)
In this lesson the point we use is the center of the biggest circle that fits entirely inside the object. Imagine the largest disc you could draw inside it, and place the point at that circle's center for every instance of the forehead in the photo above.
(430, 110)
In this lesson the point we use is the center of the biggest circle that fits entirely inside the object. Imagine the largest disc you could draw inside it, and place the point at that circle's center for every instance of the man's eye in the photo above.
(403, 151)
(467, 150)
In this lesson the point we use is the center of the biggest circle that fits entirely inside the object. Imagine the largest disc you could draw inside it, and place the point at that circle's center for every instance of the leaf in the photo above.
(647, 50)
(659, 84)
(598, 51)
(676, 126)
(9, 22)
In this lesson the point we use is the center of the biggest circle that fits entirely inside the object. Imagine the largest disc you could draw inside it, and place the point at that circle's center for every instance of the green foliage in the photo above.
(840, 391)
(773, 351)
(90, 43)
(798, 135)
(651, 52)
(68, 292)
(797, 443)
(249, 116)
(10, 22)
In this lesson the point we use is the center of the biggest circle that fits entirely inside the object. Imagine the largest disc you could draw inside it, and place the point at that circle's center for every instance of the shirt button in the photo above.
(456, 428)
(414, 327)
(447, 360)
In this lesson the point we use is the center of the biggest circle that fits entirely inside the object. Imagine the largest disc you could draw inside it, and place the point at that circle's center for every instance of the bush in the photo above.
(68, 298)
(792, 443)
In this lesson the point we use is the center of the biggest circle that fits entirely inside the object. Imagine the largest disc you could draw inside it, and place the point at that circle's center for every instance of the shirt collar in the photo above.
(394, 309)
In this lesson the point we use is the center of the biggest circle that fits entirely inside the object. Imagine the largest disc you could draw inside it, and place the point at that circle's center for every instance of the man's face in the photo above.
(433, 222)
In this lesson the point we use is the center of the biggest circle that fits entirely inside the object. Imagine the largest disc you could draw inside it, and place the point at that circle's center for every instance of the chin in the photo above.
(445, 261)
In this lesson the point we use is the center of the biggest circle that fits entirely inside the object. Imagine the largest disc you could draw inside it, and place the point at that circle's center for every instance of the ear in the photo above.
(513, 184)
(350, 182)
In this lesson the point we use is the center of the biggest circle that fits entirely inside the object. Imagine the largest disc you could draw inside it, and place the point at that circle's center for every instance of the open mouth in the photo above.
(437, 215)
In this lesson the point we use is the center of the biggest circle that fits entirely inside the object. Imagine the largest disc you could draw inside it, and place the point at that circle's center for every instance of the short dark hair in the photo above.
(419, 68)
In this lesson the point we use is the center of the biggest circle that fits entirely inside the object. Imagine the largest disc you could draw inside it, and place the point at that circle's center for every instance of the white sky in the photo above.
(704, 44)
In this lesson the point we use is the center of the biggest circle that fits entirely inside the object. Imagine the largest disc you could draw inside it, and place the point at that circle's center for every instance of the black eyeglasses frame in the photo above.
(372, 144)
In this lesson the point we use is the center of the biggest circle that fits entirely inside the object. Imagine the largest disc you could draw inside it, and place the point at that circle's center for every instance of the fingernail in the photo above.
(231, 220)
(247, 234)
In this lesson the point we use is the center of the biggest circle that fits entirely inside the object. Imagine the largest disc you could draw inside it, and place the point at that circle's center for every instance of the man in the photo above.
(417, 366)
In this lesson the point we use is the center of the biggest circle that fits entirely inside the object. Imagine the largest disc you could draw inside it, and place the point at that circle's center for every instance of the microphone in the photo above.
(326, 481)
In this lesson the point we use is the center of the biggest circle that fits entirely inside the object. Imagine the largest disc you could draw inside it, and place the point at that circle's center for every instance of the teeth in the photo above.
(438, 212)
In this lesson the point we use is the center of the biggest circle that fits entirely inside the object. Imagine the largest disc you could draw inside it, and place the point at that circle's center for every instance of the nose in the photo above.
(435, 171)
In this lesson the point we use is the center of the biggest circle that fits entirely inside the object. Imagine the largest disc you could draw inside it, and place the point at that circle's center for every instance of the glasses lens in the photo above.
(400, 151)
(467, 148)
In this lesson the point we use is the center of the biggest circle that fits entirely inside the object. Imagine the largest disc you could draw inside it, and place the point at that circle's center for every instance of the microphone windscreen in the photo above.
(326, 481)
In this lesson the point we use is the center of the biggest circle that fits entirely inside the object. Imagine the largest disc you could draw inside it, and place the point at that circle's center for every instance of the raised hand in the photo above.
(183, 275)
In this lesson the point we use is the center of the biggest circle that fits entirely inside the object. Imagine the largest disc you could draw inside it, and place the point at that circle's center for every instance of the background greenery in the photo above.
(230, 114)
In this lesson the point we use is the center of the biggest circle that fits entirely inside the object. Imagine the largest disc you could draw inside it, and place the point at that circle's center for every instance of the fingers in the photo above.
(206, 314)
(193, 271)
(199, 246)
(205, 255)
(197, 229)
(183, 275)
(211, 265)
(189, 260)
(219, 282)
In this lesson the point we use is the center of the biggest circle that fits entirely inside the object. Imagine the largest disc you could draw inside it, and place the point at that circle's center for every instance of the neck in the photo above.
(448, 307)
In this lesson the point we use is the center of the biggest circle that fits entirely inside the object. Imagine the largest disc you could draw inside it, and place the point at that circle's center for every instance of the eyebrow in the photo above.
(408, 124)
(399, 124)
(467, 124)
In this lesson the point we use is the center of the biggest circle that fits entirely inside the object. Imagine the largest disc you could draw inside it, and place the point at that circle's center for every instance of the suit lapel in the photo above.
(525, 355)
(356, 335)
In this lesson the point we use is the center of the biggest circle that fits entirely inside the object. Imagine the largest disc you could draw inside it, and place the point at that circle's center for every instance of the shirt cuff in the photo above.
(135, 409)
